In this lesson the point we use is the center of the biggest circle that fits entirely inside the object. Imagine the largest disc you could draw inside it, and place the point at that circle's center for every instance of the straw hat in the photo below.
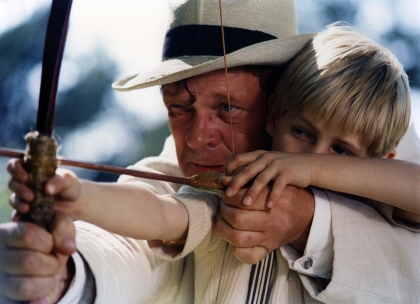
(257, 32)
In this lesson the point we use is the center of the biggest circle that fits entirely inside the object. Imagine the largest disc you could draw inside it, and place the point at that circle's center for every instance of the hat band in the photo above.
(206, 40)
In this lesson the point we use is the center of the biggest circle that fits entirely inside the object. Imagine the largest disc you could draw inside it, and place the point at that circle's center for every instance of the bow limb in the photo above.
(40, 159)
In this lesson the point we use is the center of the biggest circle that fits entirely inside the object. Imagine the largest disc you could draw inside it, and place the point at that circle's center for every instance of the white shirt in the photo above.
(318, 249)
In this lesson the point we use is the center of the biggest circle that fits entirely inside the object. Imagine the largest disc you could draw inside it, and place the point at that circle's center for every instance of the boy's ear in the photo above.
(270, 124)
(391, 154)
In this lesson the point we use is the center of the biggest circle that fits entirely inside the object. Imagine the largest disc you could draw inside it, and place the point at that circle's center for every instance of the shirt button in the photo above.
(308, 263)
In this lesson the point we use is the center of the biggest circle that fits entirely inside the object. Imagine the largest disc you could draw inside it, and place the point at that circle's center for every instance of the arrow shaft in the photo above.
(105, 168)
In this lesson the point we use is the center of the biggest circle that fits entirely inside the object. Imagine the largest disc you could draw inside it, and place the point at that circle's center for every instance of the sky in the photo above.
(134, 41)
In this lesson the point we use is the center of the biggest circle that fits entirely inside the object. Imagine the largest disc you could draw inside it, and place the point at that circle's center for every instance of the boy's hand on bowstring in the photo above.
(266, 167)
(64, 185)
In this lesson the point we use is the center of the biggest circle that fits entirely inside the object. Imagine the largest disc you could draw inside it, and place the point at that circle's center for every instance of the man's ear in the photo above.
(271, 120)
(391, 154)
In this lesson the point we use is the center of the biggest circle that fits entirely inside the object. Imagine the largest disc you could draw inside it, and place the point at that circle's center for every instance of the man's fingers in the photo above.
(25, 288)
(237, 238)
(20, 262)
(26, 235)
(30, 269)
(250, 255)
(64, 234)
(22, 191)
(259, 203)
(18, 204)
(15, 169)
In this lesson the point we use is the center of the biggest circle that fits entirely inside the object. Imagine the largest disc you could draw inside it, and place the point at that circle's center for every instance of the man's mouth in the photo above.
(206, 168)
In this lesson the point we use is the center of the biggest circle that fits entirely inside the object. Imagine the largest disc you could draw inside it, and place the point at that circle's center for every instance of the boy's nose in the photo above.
(318, 148)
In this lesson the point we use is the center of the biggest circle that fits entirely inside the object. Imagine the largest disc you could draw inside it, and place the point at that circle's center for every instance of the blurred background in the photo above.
(110, 39)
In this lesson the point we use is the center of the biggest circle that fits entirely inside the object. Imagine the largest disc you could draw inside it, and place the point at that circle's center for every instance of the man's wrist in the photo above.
(317, 257)
(76, 280)
(299, 243)
(71, 271)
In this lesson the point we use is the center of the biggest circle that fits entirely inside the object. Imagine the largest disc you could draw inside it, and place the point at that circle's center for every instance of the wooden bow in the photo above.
(40, 158)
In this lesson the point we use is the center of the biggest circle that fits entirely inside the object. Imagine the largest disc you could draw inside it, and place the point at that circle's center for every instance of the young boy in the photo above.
(131, 210)
(343, 95)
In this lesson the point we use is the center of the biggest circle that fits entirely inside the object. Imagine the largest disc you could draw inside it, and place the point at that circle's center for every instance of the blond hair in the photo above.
(350, 83)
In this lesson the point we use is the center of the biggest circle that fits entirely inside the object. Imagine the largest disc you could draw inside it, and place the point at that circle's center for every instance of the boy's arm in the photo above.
(390, 181)
(394, 182)
(132, 210)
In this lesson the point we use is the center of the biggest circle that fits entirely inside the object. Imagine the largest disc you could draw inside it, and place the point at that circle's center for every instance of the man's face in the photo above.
(300, 134)
(202, 129)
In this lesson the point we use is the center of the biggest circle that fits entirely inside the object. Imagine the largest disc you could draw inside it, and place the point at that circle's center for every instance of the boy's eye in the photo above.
(341, 151)
(301, 132)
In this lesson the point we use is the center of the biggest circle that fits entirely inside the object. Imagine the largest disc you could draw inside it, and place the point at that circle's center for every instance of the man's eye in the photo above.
(225, 107)
(178, 110)
(341, 151)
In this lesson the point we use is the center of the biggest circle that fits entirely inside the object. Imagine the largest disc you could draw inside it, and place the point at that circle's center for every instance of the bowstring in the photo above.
(227, 78)
(231, 134)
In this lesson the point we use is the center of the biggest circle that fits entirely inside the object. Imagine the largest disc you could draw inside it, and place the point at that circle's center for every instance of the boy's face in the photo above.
(300, 134)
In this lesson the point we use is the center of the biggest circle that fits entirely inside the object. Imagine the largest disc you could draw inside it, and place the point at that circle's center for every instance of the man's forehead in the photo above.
(211, 74)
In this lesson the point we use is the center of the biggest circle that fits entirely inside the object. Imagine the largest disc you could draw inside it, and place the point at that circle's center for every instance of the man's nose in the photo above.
(202, 131)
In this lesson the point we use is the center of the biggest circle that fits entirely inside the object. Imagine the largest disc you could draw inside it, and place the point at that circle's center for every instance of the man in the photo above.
(33, 262)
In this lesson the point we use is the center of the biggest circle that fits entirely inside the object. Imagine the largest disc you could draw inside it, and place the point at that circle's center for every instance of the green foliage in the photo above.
(5, 209)
(21, 50)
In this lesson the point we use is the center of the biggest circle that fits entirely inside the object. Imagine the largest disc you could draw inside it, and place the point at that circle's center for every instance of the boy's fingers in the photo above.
(225, 180)
(239, 160)
(244, 176)
(264, 179)
(260, 182)
(253, 193)
(275, 192)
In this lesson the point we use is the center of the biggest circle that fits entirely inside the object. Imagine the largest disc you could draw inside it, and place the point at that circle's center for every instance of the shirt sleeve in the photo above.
(75, 291)
(318, 256)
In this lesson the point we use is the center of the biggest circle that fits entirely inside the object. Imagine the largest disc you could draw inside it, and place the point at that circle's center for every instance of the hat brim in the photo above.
(272, 53)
